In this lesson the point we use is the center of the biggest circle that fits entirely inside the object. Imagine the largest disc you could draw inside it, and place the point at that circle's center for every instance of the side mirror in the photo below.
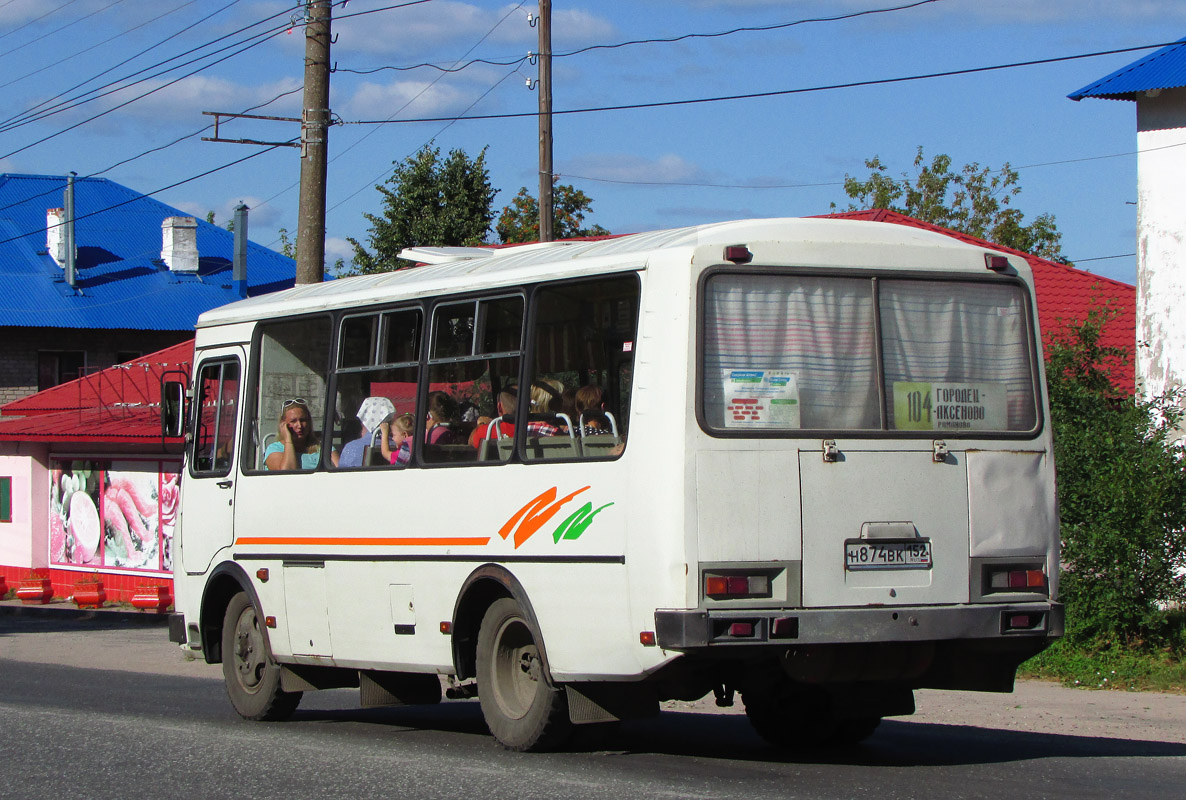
(172, 409)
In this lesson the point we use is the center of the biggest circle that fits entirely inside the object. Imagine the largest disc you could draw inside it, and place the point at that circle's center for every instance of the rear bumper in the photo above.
(695, 629)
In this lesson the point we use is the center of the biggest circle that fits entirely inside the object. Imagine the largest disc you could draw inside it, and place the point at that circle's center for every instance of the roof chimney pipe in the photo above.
(239, 270)
(179, 244)
(71, 253)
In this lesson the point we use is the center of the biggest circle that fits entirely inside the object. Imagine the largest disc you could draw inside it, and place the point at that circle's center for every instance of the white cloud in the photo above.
(266, 216)
(405, 98)
(629, 168)
(336, 248)
(448, 29)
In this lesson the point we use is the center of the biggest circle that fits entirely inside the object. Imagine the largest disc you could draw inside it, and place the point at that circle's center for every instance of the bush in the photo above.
(1121, 498)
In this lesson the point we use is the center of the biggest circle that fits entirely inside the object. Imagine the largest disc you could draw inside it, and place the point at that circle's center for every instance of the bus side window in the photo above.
(293, 370)
(377, 377)
(216, 418)
(584, 363)
(475, 356)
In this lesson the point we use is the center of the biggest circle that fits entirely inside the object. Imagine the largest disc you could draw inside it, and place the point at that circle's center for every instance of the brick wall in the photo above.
(19, 346)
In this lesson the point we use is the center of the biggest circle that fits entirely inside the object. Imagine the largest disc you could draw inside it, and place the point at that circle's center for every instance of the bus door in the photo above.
(207, 524)
(884, 527)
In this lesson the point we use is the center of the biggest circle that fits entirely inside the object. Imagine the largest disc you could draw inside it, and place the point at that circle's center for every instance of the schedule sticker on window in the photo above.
(949, 406)
(760, 398)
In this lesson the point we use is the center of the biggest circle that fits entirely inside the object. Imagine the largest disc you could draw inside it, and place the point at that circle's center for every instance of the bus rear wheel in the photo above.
(522, 709)
(252, 678)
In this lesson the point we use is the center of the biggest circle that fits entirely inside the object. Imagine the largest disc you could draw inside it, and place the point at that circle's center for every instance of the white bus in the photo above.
(815, 470)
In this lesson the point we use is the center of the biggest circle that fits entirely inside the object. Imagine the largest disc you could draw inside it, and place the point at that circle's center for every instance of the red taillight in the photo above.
(738, 254)
(446, 627)
(1017, 580)
(262, 574)
(744, 629)
(646, 638)
(269, 622)
(996, 263)
(737, 585)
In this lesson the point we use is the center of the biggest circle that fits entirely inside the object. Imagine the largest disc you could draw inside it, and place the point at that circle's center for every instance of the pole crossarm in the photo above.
(219, 115)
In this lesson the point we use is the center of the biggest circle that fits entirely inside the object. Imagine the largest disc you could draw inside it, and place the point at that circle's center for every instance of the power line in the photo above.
(633, 42)
(108, 40)
(37, 19)
(774, 93)
(61, 28)
(260, 40)
(155, 191)
(29, 116)
(152, 150)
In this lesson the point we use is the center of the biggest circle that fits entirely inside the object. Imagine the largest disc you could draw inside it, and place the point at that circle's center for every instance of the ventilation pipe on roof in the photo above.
(179, 244)
(68, 222)
(239, 270)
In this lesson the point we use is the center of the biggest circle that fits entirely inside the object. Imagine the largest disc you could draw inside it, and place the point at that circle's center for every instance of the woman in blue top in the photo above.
(299, 447)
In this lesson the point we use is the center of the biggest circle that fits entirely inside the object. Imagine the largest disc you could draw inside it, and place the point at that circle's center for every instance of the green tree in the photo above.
(1121, 492)
(427, 201)
(519, 221)
(976, 200)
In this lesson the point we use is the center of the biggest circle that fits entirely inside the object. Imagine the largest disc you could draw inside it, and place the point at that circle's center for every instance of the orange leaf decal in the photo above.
(534, 515)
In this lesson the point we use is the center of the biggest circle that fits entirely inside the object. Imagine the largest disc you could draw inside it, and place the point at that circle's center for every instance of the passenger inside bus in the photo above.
(396, 440)
(484, 430)
(374, 412)
(590, 408)
(441, 420)
(299, 447)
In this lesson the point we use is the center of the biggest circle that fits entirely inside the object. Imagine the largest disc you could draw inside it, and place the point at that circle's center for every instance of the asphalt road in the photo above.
(109, 709)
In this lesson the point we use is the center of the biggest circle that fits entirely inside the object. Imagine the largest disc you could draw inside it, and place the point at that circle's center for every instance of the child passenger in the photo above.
(397, 440)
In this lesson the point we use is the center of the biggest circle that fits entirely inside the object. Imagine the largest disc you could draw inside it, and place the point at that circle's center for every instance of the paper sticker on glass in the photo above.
(757, 398)
(920, 406)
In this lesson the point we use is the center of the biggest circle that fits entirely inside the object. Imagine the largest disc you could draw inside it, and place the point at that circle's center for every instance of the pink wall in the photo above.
(24, 542)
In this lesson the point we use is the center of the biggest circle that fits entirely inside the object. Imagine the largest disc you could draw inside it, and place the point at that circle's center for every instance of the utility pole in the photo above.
(545, 121)
(315, 121)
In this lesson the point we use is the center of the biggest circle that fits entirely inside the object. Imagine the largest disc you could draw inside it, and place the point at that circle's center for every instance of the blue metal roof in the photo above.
(1164, 69)
(121, 280)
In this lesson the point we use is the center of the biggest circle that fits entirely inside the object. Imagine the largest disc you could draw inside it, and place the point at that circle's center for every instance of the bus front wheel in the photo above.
(252, 678)
(522, 709)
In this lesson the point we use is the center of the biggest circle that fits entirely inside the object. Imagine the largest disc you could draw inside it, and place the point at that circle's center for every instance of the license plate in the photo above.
(862, 554)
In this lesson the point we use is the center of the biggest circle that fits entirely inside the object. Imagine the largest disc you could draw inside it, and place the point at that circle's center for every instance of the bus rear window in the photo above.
(785, 353)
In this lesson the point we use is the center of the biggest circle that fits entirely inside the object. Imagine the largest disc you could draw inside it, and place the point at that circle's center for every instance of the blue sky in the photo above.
(645, 169)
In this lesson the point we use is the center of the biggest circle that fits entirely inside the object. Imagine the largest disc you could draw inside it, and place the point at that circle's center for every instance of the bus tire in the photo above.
(252, 678)
(854, 731)
(522, 709)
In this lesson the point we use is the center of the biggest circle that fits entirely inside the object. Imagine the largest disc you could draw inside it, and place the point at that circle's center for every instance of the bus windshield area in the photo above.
(784, 353)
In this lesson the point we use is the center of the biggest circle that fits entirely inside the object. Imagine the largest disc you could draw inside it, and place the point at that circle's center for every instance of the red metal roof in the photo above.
(1065, 294)
(131, 383)
(88, 426)
(118, 404)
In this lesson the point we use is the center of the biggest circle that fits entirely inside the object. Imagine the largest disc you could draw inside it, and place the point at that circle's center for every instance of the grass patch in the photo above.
(1111, 668)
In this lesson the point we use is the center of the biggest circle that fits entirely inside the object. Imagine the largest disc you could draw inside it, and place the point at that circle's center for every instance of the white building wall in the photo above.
(1161, 242)
(24, 542)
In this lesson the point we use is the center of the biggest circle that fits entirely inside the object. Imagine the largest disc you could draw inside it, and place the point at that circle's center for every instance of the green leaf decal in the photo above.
(575, 525)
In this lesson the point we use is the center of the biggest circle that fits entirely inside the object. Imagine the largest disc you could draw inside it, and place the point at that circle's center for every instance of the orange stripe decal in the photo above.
(356, 541)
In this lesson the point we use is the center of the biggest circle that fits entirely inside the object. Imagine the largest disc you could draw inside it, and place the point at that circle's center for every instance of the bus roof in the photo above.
(457, 269)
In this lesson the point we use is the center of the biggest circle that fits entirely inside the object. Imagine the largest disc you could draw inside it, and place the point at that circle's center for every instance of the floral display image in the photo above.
(169, 495)
(130, 517)
(74, 527)
(113, 514)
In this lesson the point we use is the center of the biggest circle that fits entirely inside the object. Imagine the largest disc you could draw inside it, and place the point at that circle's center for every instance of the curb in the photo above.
(11, 608)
